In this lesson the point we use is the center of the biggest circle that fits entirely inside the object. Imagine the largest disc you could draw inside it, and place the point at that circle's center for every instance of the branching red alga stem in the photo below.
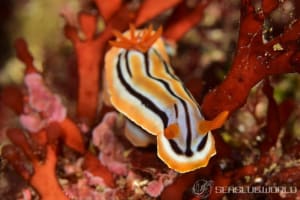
(254, 59)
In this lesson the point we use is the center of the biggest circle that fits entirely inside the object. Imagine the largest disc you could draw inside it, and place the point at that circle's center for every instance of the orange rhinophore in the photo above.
(141, 84)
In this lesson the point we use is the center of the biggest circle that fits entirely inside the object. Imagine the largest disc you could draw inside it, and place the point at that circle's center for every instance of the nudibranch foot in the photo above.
(137, 40)
(137, 136)
(206, 126)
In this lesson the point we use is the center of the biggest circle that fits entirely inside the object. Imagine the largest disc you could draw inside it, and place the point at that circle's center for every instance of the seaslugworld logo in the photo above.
(203, 188)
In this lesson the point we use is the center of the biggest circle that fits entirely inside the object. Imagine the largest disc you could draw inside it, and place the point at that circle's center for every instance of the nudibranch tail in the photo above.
(140, 41)
(206, 126)
(183, 164)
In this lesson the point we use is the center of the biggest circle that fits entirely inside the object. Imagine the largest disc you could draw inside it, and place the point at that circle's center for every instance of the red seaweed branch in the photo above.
(273, 120)
(43, 178)
(45, 118)
(183, 19)
(88, 65)
(90, 51)
(149, 9)
(277, 116)
(254, 59)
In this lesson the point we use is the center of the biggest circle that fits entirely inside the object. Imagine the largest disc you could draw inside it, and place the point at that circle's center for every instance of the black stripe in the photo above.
(148, 103)
(175, 147)
(202, 144)
(127, 64)
(187, 91)
(176, 110)
(188, 151)
(166, 66)
(171, 74)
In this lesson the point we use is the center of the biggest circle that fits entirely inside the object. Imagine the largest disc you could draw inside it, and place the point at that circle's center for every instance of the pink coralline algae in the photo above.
(26, 194)
(113, 157)
(43, 107)
(155, 187)
(111, 149)
(85, 188)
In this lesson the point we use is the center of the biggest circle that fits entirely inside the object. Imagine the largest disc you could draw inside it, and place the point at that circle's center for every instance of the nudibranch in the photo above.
(142, 85)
